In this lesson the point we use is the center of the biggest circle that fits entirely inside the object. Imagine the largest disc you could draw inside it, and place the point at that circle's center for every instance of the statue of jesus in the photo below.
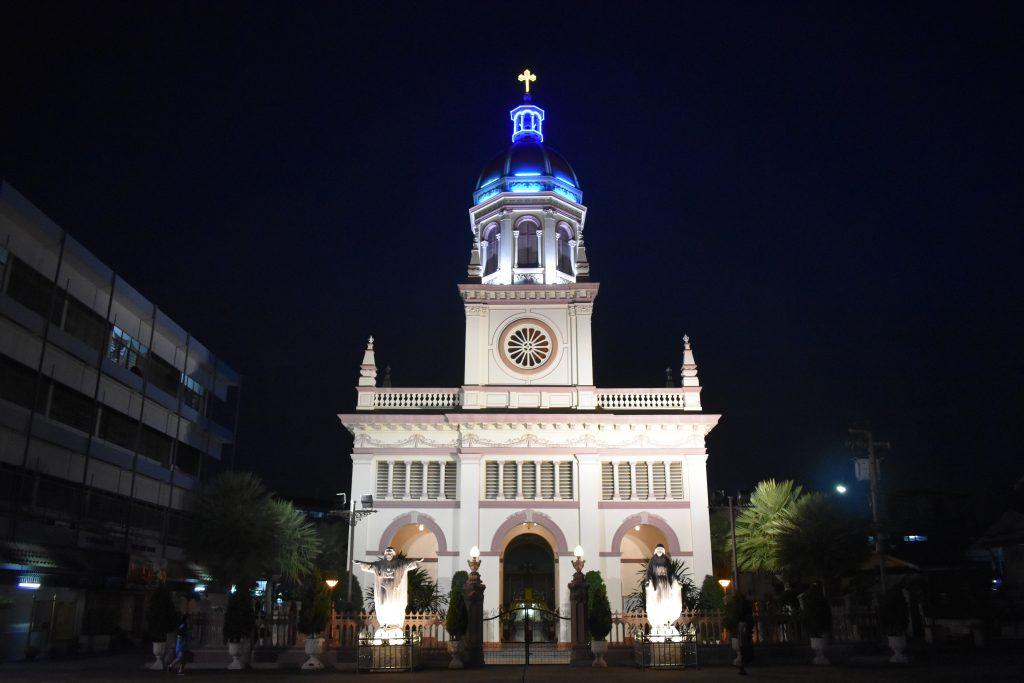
(664, 596)
(390, 592)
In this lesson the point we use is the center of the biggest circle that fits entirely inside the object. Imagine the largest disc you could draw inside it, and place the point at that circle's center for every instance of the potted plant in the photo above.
(893, 614)
(161, 619)
(314, 616)
(239, 621)
(817, 616)
(599, 623)
(456, 620)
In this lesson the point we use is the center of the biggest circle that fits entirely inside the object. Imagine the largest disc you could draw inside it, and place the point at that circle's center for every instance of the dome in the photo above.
(528, 158)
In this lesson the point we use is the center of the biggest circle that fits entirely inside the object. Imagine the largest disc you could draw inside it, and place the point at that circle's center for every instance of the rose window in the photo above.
(527, 346)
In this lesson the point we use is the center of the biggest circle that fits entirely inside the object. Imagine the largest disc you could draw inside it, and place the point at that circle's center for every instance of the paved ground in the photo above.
(989, 665)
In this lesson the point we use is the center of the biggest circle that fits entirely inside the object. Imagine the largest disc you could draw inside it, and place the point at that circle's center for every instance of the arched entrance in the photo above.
(637, 546)
(528, 572)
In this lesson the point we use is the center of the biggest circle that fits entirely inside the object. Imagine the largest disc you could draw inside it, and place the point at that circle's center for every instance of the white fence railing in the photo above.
(642, 399)
(416, 399)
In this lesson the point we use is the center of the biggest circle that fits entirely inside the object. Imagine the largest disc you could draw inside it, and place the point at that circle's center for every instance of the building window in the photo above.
(193, 393)
(117, 428)
(565, 489)
(18, 384)
(489, 242)
(433, 480)
(398, 470)
(382, 479)
(155, 445)
(527, 243)
(416, 480)
(162, 374)
(29, 287)
(72, 408)
(607, 480)
(85, 324)
(491, 483)
(642, 481)
(529, 480)
(675, 473)
(187, 459)
(563, 238)
(450, 481)
(126, 351)
(547, 480)
(509, 489)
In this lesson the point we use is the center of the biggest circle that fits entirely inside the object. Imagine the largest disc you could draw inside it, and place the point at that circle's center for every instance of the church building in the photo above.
(526, 458)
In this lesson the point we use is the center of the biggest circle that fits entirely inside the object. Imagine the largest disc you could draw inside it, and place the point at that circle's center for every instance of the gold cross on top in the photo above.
(527, 78)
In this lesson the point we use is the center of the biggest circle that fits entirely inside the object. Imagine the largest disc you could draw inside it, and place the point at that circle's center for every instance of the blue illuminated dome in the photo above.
(528, 165)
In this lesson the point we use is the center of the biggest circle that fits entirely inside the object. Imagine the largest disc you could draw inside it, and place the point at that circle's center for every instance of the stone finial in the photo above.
(689, 368)
(368, 368)
(386, 382)
(669, 381)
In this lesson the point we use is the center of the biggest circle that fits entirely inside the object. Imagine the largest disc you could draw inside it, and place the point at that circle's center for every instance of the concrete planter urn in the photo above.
(455, 650)
(599, 648)
(158, 654)
(314, 647)
(736, 647)
(898, 644)
(818, 645)
(235, 650)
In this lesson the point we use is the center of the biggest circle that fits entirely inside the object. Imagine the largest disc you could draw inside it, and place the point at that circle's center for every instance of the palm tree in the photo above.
(240, 534)
(824, 542)
(759, 526)
(637, 600)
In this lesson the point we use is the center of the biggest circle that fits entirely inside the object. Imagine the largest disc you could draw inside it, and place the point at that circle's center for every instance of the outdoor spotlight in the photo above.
(840, 488)
(367, 502)
(331, 583)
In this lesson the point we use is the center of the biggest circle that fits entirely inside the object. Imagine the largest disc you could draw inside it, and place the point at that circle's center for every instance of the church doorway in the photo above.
(528, 572)
(637, 546)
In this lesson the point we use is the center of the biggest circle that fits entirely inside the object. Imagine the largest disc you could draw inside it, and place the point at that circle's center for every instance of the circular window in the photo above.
(527, 346)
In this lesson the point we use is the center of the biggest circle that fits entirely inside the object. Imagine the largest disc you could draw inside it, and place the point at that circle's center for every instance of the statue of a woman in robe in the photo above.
(664, 595)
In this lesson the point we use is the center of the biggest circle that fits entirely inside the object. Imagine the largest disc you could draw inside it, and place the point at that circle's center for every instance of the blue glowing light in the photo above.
(29, 585)
(526, 173)
(488, 181)
(526, 187)
(487, 195)
(565, 180)
(527, 122)
(566, 193)
(915, 538)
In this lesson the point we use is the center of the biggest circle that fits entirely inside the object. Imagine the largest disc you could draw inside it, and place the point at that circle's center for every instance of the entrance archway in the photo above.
(528, 572)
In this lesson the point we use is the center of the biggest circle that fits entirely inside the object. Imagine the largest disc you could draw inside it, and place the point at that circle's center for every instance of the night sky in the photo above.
(826, 197)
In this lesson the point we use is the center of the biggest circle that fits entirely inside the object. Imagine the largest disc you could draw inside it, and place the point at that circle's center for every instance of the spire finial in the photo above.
(369, 343)
(368, 368)
(526, 77)
(686, 342)
(689, 375)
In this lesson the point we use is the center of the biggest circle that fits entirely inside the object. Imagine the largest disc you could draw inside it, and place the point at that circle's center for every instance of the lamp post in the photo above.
(352, 516)
(474, 597)
(331, 583)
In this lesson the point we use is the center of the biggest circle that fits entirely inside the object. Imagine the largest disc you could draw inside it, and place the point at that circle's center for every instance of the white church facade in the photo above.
(527, 459)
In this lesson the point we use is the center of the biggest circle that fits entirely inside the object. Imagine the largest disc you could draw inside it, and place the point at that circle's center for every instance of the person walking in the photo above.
(181, 652)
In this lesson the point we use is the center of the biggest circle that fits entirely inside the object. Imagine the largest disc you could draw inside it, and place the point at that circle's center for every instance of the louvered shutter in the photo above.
(642, 481)
(529, 480)
(416, 480)
(382, 479)
(607, 480)
(675, 471)
(625, 481)
(433, 480)
(565, 480)
(491, 483)
(659, 483)
(398, 479)
(450, 480)
(508, 480)
(547, 480)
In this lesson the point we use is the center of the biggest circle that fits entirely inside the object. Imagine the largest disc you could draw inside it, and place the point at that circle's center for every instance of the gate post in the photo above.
(578, 610)
(474, 597)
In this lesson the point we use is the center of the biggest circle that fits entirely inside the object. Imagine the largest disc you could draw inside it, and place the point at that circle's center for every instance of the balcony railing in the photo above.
(555, 396)
(669, 398)
(416, 399)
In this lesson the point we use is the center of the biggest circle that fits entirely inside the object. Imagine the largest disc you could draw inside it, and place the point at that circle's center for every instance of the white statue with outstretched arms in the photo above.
(390, 592)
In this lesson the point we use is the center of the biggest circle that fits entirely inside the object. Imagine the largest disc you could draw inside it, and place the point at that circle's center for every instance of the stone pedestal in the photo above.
(473, 649)
(579, 636)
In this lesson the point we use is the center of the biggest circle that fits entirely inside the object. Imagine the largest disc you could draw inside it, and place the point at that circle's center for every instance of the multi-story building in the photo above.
(528, 459)
(111, 415)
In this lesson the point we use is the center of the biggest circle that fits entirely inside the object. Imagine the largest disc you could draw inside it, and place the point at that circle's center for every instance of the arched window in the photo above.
(564, 237)
(489, 245)
(528, 243)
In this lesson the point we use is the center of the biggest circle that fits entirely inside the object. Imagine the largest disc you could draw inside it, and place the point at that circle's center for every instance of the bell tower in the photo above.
(528, 298)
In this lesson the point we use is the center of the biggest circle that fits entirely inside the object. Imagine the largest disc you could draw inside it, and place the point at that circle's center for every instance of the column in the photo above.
(650, 480)
(556, 466)
(408, 478)
(504, 257)
(589, 492)
(388, 465)
(632, 481)
(695, 488)
(515, 248)
(467, 531)
(519, 480)
(549, 247)
(615, 480)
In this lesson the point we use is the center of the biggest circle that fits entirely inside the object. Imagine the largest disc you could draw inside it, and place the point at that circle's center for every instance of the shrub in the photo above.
(239, 617)
(711, 594)
(161, 615)
(457, 619)
(736, 609)
(316, 605)
(893, 613)
(599, 616)
(817, 614)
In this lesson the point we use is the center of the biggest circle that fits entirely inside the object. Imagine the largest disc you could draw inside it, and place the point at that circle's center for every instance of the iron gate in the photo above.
(529, 635)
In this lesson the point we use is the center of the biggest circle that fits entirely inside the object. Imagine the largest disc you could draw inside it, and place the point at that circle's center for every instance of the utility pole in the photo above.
(866, 439)
(735, 565)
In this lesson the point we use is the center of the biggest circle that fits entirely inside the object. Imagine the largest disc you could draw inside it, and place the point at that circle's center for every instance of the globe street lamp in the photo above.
(841, 489)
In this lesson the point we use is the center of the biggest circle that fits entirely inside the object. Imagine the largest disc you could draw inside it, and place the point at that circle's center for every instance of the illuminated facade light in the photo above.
(636, 528)
(526, 187)
(29, 585)
(420, 527)
(915, 538)
(522, 174)
(527, 123)
(840, 489)
(200, 588)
